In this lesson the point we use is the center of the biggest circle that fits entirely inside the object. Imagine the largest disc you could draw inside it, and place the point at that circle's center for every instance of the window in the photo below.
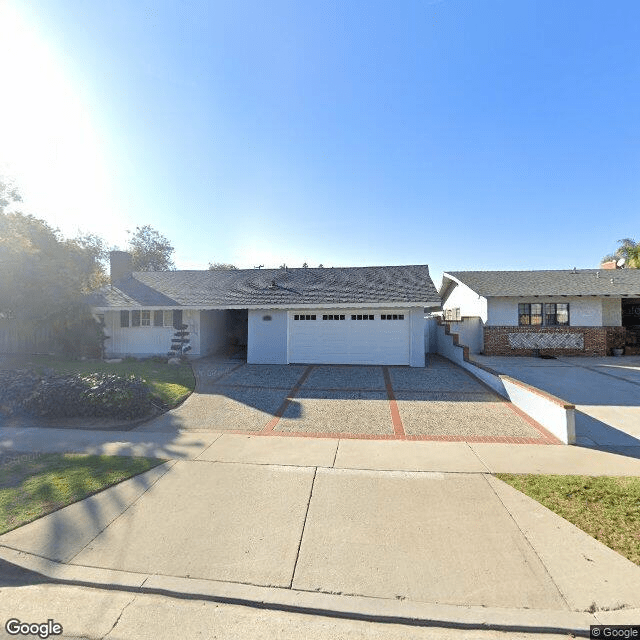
(167, 318)
(304, 317)
(555, 314)
(124, 318)
(394, 316)
(363, 317)
(452, 315)
(333, 317)
(266, 318)
(140, 318)
(157, 319)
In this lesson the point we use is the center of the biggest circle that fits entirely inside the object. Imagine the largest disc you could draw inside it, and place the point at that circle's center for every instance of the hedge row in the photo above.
(54, 395)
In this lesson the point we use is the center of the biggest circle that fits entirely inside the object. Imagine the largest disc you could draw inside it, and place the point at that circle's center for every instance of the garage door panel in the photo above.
(350, 341)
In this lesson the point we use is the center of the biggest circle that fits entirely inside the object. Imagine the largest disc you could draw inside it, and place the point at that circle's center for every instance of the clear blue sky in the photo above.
(464, 134)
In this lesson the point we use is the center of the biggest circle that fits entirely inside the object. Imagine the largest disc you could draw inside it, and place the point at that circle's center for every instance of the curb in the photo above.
(353, 607)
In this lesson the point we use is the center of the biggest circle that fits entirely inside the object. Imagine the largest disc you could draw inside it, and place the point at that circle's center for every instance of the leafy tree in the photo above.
(221, 266)
(629, 249)
(97, 252)
(305, 265)
(320, 266)
(150, 250)
(43, 282)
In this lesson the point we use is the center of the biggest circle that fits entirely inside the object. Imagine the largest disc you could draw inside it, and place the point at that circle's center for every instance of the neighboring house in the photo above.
(358, 315)
(573, 312)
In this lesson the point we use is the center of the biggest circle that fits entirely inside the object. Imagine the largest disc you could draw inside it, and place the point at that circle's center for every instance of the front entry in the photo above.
(631, 322)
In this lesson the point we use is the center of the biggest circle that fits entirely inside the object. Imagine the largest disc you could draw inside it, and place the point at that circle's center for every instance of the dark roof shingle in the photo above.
(581, 282)
(254, 287)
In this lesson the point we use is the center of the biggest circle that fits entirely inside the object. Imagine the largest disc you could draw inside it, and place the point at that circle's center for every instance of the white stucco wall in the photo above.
(583, 311)
(611, 312)
(267, 340)
(147, 341)
(468, 301)
(417, 344)
(470, 333)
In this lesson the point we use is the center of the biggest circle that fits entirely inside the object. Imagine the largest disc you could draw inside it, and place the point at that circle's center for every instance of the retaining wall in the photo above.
(554, 414)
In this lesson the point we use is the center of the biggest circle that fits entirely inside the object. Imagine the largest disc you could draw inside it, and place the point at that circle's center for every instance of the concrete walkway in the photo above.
(411, 532)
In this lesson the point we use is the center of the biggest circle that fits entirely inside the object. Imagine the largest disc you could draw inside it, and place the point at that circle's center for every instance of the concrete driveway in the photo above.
(439, 402)
(605, 390)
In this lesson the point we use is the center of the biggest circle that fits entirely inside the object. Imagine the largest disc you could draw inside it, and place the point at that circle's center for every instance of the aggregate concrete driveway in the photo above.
(439, 402)
(605, 390)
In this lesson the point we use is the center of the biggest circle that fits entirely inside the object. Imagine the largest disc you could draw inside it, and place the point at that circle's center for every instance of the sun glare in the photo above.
(49, 143)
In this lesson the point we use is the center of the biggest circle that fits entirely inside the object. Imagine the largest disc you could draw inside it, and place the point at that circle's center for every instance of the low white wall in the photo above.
(470, 333)
(554, 414)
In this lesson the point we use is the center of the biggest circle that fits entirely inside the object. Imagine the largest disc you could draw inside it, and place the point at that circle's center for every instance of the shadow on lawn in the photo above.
(67, 530)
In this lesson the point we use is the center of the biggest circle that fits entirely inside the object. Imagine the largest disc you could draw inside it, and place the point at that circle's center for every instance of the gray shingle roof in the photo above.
(253, 287)
(581, 282)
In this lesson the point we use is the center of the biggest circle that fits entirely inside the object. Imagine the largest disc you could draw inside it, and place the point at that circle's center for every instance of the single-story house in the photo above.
(559, 312)
(356, 315)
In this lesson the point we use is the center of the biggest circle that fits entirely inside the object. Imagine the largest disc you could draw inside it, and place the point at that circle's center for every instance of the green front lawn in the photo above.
(170, 384)
(32, 486)
(605, 507)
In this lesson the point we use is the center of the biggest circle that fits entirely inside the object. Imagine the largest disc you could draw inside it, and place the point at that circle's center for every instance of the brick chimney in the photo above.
(121, 265)
(609, 265)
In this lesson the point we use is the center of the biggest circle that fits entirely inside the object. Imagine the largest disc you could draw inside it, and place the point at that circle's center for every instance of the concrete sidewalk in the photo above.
(393, 455)
(410, 532)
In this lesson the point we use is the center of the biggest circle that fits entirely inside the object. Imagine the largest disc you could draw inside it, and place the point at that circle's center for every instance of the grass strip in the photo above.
(605, 507)
(34, 485)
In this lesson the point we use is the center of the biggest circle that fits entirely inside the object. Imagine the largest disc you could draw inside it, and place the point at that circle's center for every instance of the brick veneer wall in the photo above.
(598, 341)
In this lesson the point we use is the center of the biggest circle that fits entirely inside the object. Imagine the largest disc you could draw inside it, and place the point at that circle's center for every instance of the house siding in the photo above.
(468, 301)
(147, 341)
(267, 340)
(612, 312)
(583, 312)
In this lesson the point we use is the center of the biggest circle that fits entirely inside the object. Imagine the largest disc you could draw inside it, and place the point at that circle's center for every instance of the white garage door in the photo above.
(359, 336)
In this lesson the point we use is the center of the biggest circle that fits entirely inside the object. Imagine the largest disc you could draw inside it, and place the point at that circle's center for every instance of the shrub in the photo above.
(74, 395)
